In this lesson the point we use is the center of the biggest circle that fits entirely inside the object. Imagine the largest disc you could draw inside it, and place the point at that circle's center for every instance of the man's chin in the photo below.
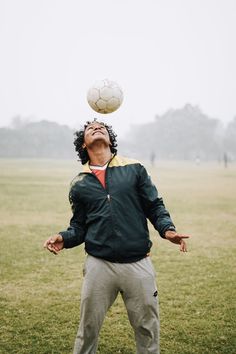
(99, 138)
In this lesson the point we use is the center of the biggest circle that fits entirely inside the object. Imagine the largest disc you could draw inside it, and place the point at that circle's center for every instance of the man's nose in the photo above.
(96, 128)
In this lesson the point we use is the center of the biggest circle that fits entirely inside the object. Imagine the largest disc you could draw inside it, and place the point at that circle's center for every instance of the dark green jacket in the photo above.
(113, 221)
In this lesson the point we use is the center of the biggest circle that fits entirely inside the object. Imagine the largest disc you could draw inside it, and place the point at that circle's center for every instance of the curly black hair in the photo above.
(79, 141)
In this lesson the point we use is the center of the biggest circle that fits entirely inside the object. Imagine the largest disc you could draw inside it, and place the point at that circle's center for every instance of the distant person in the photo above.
(111, 200)
(225, 159)
(152, 158)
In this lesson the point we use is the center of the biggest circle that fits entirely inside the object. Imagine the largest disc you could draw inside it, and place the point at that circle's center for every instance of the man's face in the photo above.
(96, 132)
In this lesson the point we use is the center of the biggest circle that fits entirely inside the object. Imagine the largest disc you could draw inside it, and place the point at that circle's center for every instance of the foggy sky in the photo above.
(163, 53)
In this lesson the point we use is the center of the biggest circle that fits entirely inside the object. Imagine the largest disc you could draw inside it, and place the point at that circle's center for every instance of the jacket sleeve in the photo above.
(75, 233)
(152, 204)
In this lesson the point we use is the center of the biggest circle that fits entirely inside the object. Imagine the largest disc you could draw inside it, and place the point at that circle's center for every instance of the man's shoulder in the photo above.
(77, 179)
(119, 161)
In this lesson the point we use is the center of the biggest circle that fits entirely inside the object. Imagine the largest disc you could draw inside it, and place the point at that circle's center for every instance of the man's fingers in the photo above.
(54, 244)
(184, 236)
(49, 241)
(183, 246)
(52, 248)
(49, 244)
(49, 247)
(46, 243)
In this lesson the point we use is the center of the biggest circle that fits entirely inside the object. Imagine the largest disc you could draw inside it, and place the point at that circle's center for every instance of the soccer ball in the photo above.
(105, 96)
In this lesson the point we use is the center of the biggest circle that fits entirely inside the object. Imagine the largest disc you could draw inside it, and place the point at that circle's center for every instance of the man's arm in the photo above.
(75, 233)
(156, 212)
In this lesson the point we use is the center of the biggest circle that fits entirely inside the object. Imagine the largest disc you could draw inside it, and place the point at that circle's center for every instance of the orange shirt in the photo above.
(100, 172)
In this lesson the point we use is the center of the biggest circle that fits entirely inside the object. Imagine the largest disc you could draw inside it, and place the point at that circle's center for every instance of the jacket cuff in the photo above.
(68, 239)
(169, 228)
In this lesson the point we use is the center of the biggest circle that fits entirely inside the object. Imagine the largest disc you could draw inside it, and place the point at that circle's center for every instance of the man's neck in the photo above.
(99, 156)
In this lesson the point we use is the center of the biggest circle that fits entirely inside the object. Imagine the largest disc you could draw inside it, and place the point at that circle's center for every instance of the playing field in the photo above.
(40, 292)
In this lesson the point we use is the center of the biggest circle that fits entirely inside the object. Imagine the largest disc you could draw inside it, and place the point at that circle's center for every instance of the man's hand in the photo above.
(54, 244)
(177, 238)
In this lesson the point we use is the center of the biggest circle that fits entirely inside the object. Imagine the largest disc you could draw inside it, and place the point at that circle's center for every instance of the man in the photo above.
(111, 201)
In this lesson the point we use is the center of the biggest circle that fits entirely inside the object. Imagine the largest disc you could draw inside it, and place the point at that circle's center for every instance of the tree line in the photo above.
(183, 134)
(42, 139)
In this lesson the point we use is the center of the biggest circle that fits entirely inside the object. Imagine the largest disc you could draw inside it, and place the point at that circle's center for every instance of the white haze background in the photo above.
(163, 53)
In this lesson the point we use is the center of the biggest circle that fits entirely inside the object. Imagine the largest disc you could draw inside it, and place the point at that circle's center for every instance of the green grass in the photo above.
(40, 292)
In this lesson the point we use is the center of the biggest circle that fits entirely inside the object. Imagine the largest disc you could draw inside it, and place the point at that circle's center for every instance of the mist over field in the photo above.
(180, 134)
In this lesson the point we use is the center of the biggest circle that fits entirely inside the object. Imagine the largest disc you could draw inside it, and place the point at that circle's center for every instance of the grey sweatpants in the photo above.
(102, 282)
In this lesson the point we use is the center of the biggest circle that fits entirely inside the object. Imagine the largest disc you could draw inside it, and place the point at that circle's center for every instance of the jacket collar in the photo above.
(86, 168)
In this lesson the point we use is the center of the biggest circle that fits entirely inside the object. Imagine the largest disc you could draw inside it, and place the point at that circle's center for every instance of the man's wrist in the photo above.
(170, 228)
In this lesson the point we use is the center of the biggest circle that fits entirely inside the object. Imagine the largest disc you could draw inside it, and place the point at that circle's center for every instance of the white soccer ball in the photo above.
(105, 96)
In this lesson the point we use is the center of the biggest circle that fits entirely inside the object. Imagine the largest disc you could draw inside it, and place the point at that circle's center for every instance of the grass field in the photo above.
(40, 292)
